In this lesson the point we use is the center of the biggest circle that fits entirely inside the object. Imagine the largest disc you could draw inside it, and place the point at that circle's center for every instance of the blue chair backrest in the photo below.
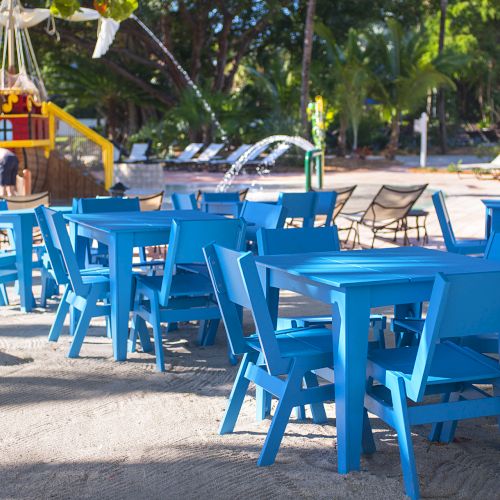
(444, 220)
(461, 305)
(298, 205)
(186, 242)
(263, 214)
(62, 244)
(3, 205)
(324, 204)
(236, 283)
(184, 201)
(298, 240)
(55, 257)
(215, 197)
(492, 251)
(98, 205)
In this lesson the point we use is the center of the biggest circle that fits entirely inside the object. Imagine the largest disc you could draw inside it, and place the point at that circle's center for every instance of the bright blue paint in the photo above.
(324, 205)
(261, 215)
(462, 246)
(184, 296)
(21, 223)
(121, 236)
(184, 201)
(438, 366)
(86, 293)
(277, 362)
(298, 206)
(353, 282)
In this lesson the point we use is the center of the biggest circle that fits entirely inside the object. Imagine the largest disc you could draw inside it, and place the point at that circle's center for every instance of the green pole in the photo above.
(307, 169)
(319, 168)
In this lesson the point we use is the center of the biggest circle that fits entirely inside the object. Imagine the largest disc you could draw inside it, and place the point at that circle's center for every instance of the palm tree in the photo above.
(402, 74)
(348, 79)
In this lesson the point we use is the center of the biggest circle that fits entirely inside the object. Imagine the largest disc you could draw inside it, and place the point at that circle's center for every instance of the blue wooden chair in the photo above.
(227, 203)
(261, 215)
(409, 330)
(462, 246)
(184, 201)
(460, 306)
(87, 293)
(298, 206)
(324, 206)
(304, 240)
(183, 296)
(276, 361)
(8, 274)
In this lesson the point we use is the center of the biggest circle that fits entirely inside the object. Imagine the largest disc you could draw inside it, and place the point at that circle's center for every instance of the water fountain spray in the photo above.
(184, 73)
(236, 167)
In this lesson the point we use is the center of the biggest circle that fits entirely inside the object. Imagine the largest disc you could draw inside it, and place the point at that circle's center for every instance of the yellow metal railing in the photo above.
(79, 143)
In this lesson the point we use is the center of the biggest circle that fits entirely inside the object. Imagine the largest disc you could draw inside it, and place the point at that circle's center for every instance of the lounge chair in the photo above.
(387, 212)
(272, 157)
(479, 169)
(139, 153)
(188, 154)
(233, 157)
(209, 153)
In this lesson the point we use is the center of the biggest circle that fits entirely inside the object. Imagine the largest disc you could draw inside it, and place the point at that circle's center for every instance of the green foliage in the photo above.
(116, 9)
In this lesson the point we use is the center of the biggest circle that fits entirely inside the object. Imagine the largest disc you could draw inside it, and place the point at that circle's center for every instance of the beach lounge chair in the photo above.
(188, 153)
(207, 154)
(139, 153)
(150, 202)
(386, 213)
(233, 157)
(272, 157)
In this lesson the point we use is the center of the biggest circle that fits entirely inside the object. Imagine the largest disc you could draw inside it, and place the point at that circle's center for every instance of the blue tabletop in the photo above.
(31, 211)
(492, 203)
(378, 266)
(137, 221)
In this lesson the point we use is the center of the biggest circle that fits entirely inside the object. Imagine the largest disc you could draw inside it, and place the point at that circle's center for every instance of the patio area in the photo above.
(91, 427)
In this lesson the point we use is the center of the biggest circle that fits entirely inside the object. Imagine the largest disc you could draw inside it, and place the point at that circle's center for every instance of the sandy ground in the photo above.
(94, 428)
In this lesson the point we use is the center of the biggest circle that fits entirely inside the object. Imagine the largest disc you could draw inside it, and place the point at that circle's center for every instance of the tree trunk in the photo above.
(355, 130)
(342, 140)
(306, 62)
(392, 147)
(441, 98)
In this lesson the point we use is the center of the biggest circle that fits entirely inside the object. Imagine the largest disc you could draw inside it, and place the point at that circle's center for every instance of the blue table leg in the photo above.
(23, 236)
(120, 273)
(350, 347)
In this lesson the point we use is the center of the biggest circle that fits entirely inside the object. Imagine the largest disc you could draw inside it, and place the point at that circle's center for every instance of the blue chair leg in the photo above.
(402, 426)
(368, 443)
(317, 409)
(155, 322)
(281, 417)
(300, 413)
(207, 331)
(237, 395)
(437, 427)
(62, 312)
(82, 327)
(4, 299)
(172, 326)
(448, 428)
(263, 403)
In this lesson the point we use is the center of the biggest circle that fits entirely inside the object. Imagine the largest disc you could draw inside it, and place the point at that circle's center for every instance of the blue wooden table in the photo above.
(353, 282)
(121, 232)
(492, 215)
(22, 223)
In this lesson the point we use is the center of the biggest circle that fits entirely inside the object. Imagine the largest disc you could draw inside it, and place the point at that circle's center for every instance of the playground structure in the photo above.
(34, 128)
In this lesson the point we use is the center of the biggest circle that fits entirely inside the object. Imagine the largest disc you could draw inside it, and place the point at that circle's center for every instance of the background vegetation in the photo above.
(377, 63)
